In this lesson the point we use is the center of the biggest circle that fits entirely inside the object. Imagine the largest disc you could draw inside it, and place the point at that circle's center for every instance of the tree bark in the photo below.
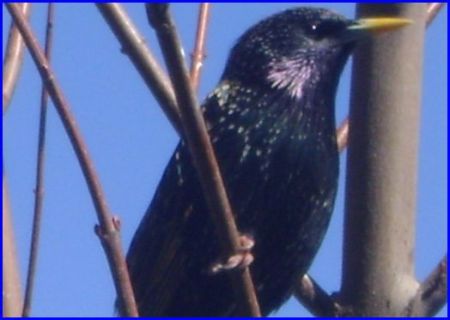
(12, 296)
(378, 268)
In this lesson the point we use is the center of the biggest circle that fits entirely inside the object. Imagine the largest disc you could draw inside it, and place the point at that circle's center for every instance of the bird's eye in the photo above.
(323, 29)
(314, 26)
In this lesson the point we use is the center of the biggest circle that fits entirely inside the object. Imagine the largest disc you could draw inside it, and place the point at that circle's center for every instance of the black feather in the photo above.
(271, 121)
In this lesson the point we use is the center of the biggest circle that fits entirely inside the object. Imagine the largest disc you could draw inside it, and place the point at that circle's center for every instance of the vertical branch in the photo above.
(199, 50)
(12, 297)
(108, 229)
(202, 152)
(378, 267)
(39, 189)
(11, 294)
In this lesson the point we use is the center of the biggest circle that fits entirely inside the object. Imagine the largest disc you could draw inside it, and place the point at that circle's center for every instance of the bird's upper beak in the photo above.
(366, 26)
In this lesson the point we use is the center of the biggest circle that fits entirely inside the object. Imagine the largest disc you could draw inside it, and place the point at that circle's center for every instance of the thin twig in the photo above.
(13, 59)
(431, 295)
(314, 298)
(199, 50)
(202, 152)
(432, 11)
(133, 44)
(108, 230)
(39, 189)
(342, 132)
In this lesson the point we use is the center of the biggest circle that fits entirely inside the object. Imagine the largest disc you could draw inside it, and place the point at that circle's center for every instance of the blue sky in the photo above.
(130, 142)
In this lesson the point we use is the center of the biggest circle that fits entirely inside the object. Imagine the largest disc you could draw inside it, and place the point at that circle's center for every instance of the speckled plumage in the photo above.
(271, 121)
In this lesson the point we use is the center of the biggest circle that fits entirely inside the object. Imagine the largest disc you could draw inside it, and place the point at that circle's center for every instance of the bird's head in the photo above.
(300, 48)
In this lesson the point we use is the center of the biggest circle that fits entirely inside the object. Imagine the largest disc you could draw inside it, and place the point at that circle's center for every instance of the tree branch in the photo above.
(202, 152)
(13, 59)
(378, 266)
(432, 11)
(133, 44)
(315, 298)
(108, 230)
(432, 293)
(11, 294)
(199, 50)
(39, 189)
(342, 135)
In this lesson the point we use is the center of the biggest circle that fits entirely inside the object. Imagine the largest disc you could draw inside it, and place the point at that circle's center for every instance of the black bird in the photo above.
(271, 122)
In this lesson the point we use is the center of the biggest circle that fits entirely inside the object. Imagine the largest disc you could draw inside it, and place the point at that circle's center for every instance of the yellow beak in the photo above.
(377, 25)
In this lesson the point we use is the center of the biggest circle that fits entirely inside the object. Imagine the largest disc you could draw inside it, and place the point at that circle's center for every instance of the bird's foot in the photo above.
(242, 259)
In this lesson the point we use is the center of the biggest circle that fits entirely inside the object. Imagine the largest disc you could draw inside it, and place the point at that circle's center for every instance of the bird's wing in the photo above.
(175, 246)
(157, 257)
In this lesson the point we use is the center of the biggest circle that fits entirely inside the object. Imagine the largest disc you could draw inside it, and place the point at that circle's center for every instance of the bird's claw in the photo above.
(242, 259)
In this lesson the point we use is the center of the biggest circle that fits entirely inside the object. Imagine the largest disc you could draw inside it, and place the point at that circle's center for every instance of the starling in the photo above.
(271, 122)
